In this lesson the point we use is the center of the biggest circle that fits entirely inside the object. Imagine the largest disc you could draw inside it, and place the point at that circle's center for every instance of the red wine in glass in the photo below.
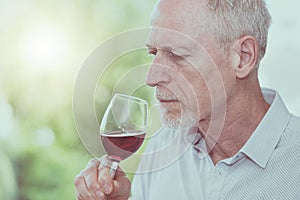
(120, 145)
(123, 128)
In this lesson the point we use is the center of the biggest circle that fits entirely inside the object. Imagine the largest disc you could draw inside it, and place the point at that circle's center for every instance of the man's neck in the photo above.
(244, 114)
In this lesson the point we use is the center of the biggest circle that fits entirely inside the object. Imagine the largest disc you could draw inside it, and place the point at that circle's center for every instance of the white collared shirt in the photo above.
(267, 167)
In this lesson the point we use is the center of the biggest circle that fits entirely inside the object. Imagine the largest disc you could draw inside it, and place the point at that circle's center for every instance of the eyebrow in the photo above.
(169, 48)
(178, 49)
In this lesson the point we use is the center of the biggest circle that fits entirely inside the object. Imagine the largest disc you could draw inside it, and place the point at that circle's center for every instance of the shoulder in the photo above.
(294, 124)
(291, 135)
(288, 147)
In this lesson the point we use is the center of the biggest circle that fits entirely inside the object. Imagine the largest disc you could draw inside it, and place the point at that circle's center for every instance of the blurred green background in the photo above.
(43, 44)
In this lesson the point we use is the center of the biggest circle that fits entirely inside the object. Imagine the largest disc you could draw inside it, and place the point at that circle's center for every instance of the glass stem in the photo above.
(113, 168)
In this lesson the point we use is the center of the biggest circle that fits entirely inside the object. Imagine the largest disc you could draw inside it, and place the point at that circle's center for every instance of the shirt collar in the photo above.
(265, 138)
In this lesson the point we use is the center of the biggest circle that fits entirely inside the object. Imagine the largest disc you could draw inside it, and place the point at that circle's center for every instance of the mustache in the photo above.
(165, 95)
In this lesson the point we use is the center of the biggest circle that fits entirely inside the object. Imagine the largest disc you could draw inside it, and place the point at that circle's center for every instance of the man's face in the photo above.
(185, 69)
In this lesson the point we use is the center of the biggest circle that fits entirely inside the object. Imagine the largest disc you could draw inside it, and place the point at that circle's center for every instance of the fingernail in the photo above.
(99, 195)
(107, 188)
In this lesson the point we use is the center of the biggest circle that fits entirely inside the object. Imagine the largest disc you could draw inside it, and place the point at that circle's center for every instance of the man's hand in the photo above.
(95, 183)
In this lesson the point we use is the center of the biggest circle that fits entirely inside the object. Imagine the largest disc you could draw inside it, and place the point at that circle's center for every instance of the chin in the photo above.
(178, 121)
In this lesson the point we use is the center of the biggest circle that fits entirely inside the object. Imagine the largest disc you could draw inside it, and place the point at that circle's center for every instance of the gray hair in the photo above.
(235, 18)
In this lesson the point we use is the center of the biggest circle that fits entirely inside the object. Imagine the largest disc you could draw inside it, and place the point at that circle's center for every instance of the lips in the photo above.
(165, 96)
(167, 100)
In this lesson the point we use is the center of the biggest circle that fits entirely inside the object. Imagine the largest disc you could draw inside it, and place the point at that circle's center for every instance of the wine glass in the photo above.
(123, 128)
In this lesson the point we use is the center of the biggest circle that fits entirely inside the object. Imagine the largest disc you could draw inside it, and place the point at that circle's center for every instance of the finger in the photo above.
(91, 179)
(94, 162)
(121, 188)
(104, 178)
(107, 163)
(81, 189)
(78, 197)
(119, 172)
(122, 183)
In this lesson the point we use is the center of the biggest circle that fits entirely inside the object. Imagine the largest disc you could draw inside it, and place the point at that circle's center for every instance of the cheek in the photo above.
(199, 97)
(193, 95)
(191, 88)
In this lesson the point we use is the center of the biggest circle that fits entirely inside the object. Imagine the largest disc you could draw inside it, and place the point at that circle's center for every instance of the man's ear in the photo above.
(246, 56)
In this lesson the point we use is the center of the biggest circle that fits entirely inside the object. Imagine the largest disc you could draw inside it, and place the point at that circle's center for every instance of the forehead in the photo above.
(165, 38)
(179, 15)
(177, 22)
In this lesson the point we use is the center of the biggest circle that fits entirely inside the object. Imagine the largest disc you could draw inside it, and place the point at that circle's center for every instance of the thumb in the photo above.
(121, 189)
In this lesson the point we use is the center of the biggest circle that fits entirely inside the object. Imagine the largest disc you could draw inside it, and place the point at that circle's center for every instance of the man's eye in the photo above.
(174, 55)
(152, 52)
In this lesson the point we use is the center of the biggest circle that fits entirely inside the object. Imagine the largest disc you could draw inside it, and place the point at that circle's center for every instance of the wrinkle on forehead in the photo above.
(163, 38)
(181, 15)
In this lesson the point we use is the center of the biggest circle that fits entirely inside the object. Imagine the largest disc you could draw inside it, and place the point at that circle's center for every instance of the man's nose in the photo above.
(157, 74)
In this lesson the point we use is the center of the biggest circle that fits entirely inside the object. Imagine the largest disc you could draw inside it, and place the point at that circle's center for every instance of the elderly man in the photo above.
(245, 143)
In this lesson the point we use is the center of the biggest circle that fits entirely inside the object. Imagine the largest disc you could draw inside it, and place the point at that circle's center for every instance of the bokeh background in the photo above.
(43, 44)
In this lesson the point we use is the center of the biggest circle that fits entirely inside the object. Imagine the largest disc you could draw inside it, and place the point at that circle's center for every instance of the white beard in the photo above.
(185, 120)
